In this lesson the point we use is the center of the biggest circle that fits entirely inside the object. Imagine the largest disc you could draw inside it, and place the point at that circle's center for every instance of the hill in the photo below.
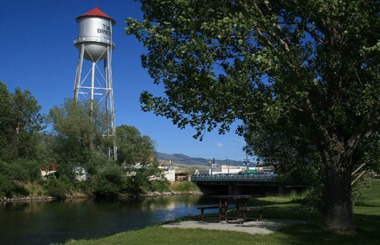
(187, 160)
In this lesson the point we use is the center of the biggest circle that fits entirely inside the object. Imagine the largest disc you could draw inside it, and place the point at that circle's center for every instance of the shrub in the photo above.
(110, 181)
(20, 170)
(34, 189)
(159, 185)
(11, 188)
(6, 186)
(14, 175)
(58, 188)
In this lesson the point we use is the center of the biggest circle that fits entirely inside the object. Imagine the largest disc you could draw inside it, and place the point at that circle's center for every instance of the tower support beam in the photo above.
(95, 45)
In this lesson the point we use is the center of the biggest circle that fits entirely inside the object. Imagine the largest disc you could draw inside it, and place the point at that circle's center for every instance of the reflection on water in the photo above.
(154, 203)
(44, 223)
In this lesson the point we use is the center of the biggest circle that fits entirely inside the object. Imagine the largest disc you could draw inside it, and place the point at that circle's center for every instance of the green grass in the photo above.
(183, 186)
(367, 221)
(370, 196)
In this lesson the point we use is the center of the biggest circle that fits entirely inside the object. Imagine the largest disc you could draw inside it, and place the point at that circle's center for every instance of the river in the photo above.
(57, 222)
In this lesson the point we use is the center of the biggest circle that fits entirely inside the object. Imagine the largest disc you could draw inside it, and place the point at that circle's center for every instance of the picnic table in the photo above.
(238, 201)
(240, 204)
(229, 201)
(226, 201)
(222, 210)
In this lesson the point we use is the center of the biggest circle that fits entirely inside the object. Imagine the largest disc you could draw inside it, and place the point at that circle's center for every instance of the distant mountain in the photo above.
(186, 160)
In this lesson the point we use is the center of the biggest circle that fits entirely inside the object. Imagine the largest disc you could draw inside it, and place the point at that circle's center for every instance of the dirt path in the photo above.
(265, 226)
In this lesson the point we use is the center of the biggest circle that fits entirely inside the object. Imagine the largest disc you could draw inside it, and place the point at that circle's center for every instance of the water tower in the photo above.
(94, 83)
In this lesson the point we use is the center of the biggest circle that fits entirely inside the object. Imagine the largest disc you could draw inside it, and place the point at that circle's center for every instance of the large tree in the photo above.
(5, 120)
(133, 147)
(137, 156)
(310, 68)
(78, 135)
(20, 123)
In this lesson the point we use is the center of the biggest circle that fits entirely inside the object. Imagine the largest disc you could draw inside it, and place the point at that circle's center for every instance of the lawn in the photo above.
(367, 221)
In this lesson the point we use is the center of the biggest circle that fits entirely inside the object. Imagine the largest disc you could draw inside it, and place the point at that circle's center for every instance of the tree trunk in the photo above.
(14, 145)
(338, 199)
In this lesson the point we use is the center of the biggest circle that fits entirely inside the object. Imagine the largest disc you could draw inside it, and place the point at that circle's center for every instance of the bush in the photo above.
(95, 162)
(34, 189)
(58, 188)
(6, 186)
(159, 185)
(14, 175)
(11, 188)
(110, 181)
(20, 170)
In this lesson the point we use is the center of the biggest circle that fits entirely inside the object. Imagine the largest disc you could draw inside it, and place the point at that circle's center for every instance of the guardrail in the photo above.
(235, 177)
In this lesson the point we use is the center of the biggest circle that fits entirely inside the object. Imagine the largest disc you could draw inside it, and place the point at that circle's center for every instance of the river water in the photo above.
(57, 222)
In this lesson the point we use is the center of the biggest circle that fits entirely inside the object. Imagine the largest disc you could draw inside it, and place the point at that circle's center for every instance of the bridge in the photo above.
(237, 184)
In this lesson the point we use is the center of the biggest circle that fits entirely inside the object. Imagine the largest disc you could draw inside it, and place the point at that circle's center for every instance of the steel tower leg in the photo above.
(78, 73)
(110, 102)
(92, 88)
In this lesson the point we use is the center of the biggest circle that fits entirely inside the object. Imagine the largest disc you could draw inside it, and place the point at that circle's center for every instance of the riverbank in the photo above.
(27, 199)
(171, 193)
(174, 189)
(78, 196)
(277, 209)
(43, 198)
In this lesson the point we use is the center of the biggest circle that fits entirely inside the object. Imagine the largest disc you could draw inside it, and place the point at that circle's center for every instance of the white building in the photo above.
(169, 172)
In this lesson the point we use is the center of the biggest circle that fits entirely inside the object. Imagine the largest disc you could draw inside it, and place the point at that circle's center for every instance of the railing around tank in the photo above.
(236, 177)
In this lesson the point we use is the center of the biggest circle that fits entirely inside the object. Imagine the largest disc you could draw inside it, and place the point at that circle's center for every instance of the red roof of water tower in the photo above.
(96, 12)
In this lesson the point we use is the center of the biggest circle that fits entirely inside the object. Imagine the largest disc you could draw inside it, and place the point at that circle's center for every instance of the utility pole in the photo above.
(246, 155)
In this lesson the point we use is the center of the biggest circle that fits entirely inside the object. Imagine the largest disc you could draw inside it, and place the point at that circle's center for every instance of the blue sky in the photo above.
(37, 54)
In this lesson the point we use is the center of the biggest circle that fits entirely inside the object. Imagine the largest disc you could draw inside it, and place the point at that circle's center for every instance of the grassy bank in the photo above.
(183, 186)
(367, 220)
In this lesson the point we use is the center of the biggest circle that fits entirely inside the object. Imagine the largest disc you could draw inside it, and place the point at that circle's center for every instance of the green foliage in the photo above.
(95, 161)
(137, 183)
(58, 188)
(302, 77)
(20, 122)
(78, 138)
(76, 141)
(5, 119)
(14, 176)
(20, 170)
(184, 186)
(159, 185)
(44, 148)
(74, 132)
(110, 181)
(6, 185)
(34, 188)
(133, 147)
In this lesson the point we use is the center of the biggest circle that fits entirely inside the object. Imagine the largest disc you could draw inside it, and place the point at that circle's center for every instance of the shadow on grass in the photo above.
(366, 219)
(274, 208)
(365, 204)
(367, 227)
(313, 232)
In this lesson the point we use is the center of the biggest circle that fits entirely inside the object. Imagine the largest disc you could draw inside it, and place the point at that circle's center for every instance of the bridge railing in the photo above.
(236, 177)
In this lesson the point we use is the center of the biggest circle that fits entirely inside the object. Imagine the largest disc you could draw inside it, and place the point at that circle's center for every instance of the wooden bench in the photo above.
(245, 210)
(222, 210)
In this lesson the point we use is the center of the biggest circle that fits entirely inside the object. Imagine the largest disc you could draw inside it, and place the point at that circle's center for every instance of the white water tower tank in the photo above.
(95, 32)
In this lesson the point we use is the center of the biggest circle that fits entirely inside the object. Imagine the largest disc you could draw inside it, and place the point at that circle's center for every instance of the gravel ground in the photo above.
(265, 226)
